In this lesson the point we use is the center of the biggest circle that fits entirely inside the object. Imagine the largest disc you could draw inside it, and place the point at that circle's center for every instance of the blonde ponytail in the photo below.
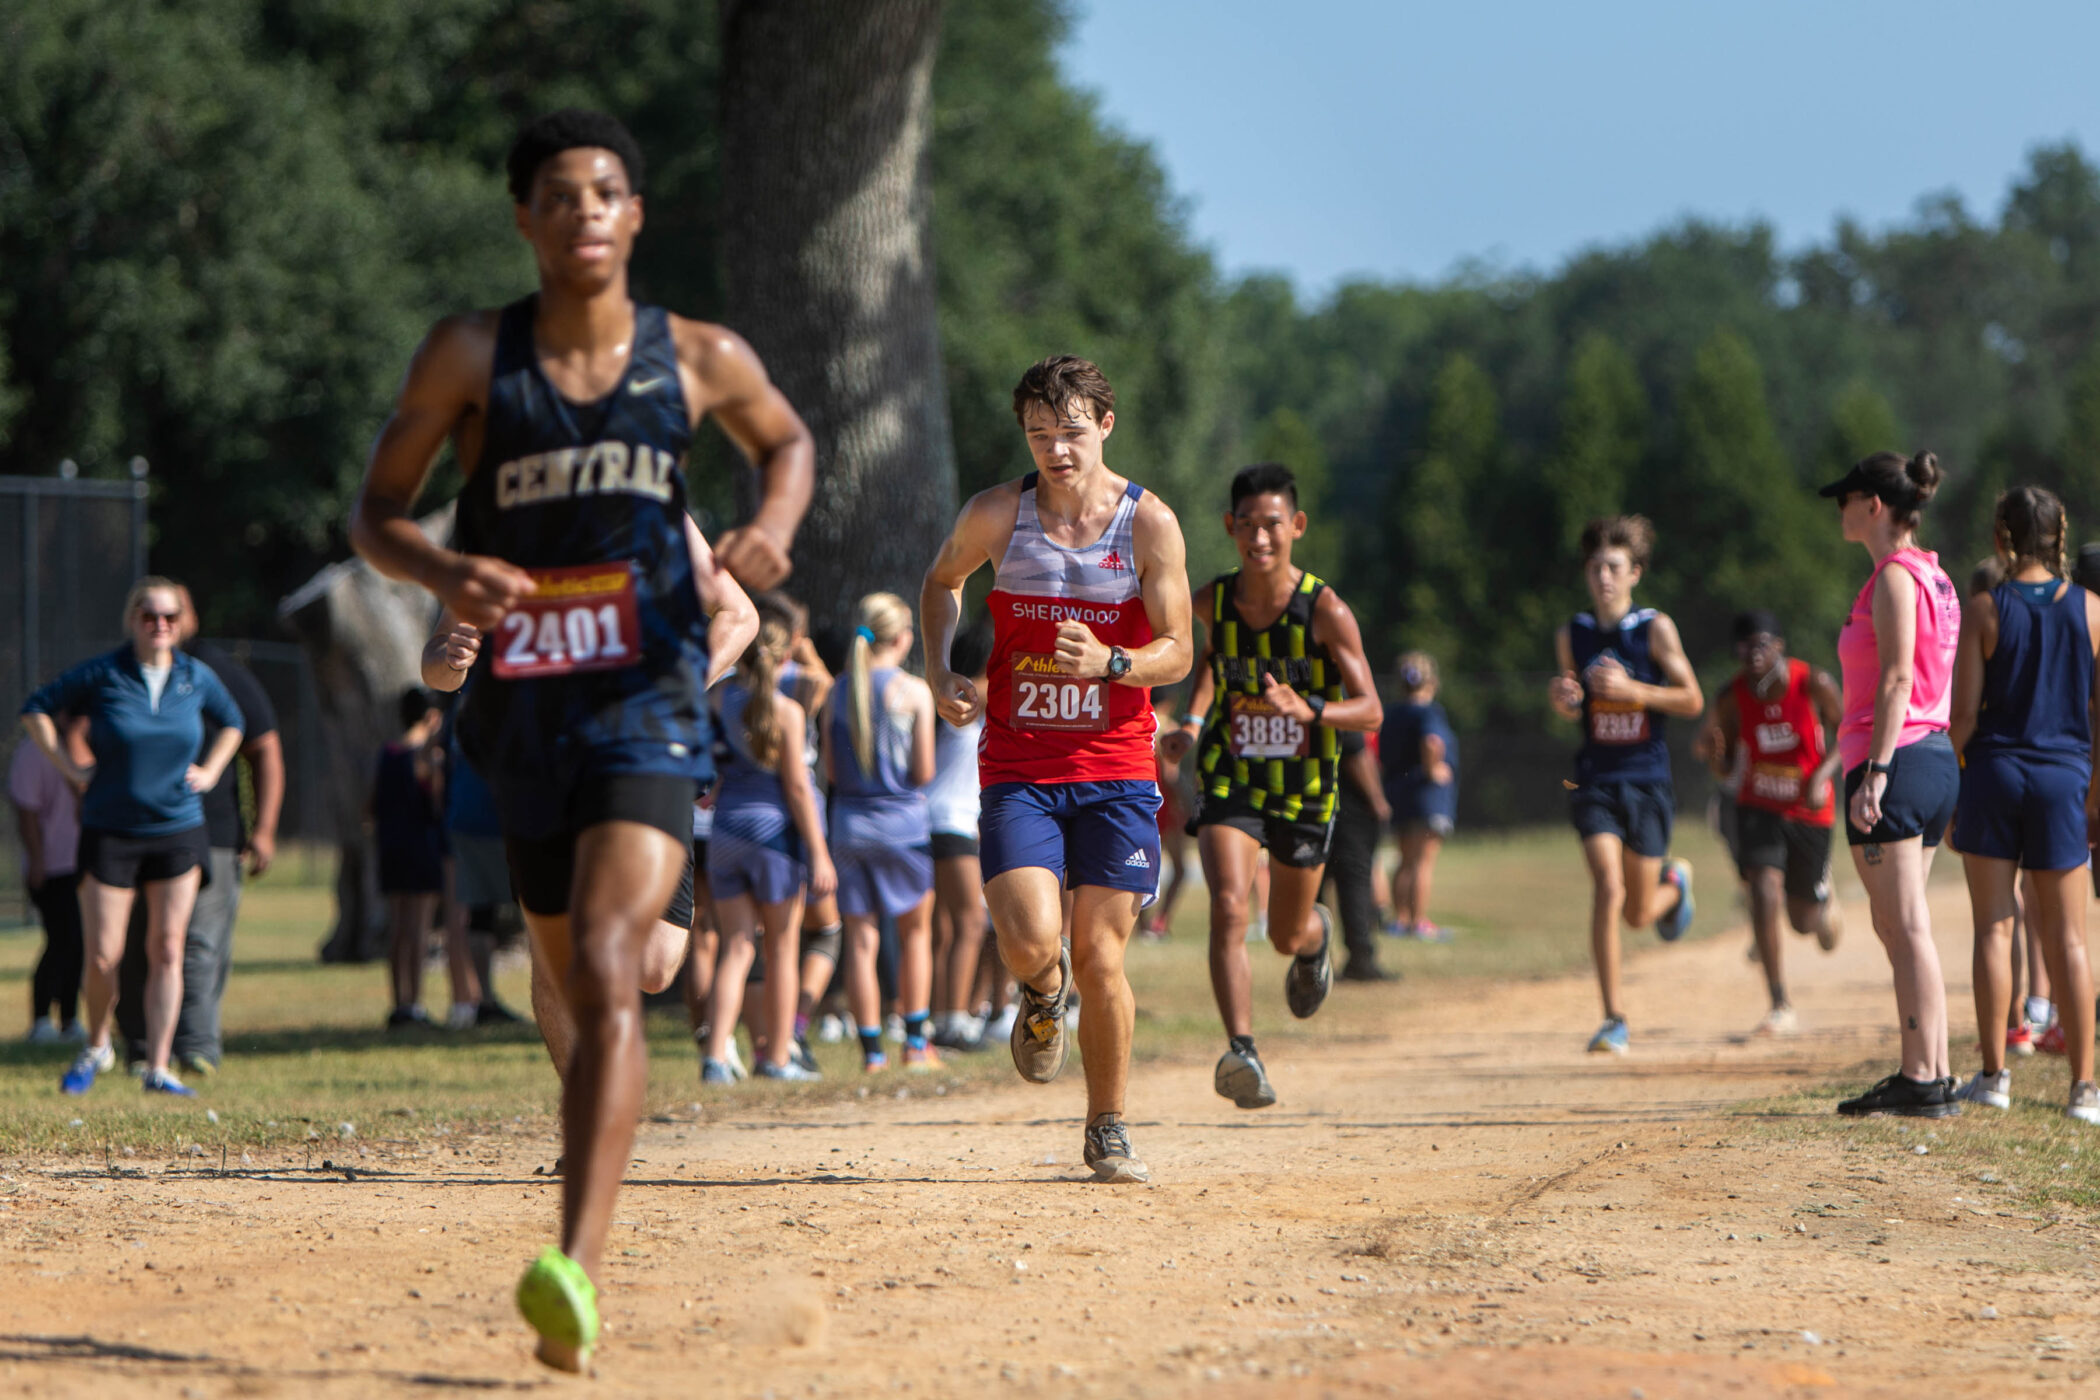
(760, 669)
(884, 617)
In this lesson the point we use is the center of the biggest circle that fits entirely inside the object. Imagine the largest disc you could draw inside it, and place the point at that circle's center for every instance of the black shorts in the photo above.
(1924, 785)
(122, 862)
(1640, 813)
(1300, 845)
(948, 845)
(543, 870)
(1767, 841)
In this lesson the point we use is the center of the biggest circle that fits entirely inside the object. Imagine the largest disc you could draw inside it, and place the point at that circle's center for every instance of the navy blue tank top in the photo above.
(883, 808)
(2038, 680)
(561, 485)
(1620, 742)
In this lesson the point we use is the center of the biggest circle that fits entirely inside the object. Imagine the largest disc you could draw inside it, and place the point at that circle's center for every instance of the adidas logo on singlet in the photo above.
(1113, 562)
(1139, 860)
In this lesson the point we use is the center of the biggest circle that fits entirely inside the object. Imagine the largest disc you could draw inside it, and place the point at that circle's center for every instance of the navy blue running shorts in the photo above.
(1640, 813)
(2024, 807)
(1104, 834)
(1919, 799)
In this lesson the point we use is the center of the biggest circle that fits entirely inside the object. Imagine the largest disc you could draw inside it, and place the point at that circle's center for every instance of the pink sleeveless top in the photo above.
(1932, 660)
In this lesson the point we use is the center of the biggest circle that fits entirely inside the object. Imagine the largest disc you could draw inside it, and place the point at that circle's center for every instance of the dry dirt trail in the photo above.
(1451, 1199)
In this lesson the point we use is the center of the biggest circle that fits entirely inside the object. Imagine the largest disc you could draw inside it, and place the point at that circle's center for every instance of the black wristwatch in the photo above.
(1882, 768)
(1118, 663)
(1319, 708)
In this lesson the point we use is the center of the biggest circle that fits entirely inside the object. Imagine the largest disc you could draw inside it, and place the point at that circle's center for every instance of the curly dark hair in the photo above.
(565, 130)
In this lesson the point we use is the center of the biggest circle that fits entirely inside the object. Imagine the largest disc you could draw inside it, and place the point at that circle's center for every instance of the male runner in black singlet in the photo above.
(571, 412)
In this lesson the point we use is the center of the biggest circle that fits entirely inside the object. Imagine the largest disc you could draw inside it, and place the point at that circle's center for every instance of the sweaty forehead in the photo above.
(1263, 505)
(1042, 418)
(581, 165)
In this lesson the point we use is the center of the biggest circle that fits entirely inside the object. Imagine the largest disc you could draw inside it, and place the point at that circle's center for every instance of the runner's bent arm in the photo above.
(731, 620)
(444, 386)
(1564, 691)
(1723, 730)
(919, 700)
(765, 427)
(968, 548)
(1163, 583)
(1176, 742)
(1334, 627)
(1679, 694)
(450, 653)
(1830, 712)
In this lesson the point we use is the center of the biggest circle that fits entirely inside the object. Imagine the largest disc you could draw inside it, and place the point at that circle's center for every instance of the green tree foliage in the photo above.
(1603, 424)
(1285, 437)
(1441, 583)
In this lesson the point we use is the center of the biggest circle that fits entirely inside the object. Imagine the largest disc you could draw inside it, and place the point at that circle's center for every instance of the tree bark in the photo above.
(827, 252)
(364, 634)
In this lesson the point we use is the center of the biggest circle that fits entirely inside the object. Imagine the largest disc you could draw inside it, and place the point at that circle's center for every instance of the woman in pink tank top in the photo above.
(1896, 653)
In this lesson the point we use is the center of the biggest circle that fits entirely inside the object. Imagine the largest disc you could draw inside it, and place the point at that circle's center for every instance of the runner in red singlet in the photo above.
(1770, 729)
(1090, 608)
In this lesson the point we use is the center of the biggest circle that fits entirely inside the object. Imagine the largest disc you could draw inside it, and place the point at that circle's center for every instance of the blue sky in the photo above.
(1331, 138)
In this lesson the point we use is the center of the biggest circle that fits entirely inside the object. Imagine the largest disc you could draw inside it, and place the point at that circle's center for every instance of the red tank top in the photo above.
(1040, 725)
(1782, 744)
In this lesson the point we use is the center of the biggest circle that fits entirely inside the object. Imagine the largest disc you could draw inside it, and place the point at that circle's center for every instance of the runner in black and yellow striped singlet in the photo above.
(1283, 670)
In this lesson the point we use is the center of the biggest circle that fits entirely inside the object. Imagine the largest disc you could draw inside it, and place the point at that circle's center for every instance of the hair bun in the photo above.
(1924, 473)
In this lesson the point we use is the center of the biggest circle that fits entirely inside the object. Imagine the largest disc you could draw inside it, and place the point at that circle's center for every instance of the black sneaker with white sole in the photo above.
(1108, 1153)
(1311, 976)
(1905, 1098)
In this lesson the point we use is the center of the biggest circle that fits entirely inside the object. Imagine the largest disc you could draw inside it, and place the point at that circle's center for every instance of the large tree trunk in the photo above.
(364, 634)
(827, 251)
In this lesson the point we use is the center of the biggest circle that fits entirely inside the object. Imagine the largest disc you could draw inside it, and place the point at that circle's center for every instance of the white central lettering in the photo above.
(1066, 612)
(602, 468)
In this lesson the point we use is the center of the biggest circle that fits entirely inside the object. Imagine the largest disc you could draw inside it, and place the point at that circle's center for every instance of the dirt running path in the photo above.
(1467, 1205)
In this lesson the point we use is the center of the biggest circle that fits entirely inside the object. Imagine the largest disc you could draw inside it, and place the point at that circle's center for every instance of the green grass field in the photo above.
(306, 1052)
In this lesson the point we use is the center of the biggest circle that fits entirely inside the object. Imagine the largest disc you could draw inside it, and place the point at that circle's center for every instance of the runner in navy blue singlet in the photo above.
(1622, 669)
(570, 412)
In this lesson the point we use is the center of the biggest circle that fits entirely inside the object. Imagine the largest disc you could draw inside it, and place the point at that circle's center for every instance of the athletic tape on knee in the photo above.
(824, 943)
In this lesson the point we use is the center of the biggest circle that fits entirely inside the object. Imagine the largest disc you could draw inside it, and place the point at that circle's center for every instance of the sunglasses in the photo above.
(171, 618)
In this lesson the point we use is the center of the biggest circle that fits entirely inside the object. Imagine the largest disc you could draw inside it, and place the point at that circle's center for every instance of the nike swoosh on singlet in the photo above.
(643, 386)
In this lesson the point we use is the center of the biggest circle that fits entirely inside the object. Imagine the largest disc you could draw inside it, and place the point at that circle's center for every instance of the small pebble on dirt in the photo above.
(1812, 1339)
(1988, 1315)
(348, 1130)
(1921, 1149)
(211, 1115)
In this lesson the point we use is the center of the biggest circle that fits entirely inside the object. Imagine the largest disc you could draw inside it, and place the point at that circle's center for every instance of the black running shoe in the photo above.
(1365, 970)
(1311, 976)
(494, 1013)
(1108, 1153)
(407, 1018)
(961, 1041)
(1906, 1098)
(801, 1058)
(1241, 1078)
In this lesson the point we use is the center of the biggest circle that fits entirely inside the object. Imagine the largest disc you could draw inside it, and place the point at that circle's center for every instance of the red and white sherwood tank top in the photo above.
(1041, 725)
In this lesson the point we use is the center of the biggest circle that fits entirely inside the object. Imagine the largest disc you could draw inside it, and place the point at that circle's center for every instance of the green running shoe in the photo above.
(560, 1303)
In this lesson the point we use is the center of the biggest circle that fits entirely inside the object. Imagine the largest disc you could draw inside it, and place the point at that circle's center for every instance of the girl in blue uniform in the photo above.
(1622, 670)
(2022, 722)
(878, 750)
(768, 844)
(1419, 754)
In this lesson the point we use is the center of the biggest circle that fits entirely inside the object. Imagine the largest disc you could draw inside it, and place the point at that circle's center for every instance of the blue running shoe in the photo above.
(1610, 1038)
(94, 1060)
(166, 1083)
(1671, 926)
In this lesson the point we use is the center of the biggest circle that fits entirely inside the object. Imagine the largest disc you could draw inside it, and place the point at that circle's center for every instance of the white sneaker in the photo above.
(831, 1030)
(1995, 1091)
(463, 1016)
(2085, 1102)
(45, 1032)
(1780, 1020)
(893, 1029)
(1001, 1026)
(735, 1062)
(2040, 1014)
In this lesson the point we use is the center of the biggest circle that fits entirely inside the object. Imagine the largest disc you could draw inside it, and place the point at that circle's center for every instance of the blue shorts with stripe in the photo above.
(1104, 834)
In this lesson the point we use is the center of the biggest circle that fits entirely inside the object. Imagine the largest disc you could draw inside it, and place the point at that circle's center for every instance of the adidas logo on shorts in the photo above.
(1139, 860)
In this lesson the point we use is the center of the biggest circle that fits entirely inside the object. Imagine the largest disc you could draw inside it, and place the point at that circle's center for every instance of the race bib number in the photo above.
(1776, 783)
(581, 619)
(1617, 722)
(1042, 697)
(1777, 737)
(1259, 730)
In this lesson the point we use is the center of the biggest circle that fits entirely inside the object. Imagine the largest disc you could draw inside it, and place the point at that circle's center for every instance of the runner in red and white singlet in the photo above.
(1770, 728)
(1090, 609)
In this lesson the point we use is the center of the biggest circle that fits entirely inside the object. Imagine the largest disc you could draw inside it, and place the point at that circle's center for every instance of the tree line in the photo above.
(223, 224)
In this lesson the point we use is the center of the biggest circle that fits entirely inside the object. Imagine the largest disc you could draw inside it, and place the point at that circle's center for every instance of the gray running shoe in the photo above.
(1990, 1090)
(2085, 1102)
(1311, 976)
(1038, 1040)
(1241, 1078)
(716, 1072)
(1108, 1153)
(792, 1070)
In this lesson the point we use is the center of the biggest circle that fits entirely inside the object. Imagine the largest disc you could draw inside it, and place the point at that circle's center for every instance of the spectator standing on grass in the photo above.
(1896, 659)
(207, 948)
(47, 814)
(1360, 819)
(1419, 752)
(141, 816)
(2022, 722)
(407, 797)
